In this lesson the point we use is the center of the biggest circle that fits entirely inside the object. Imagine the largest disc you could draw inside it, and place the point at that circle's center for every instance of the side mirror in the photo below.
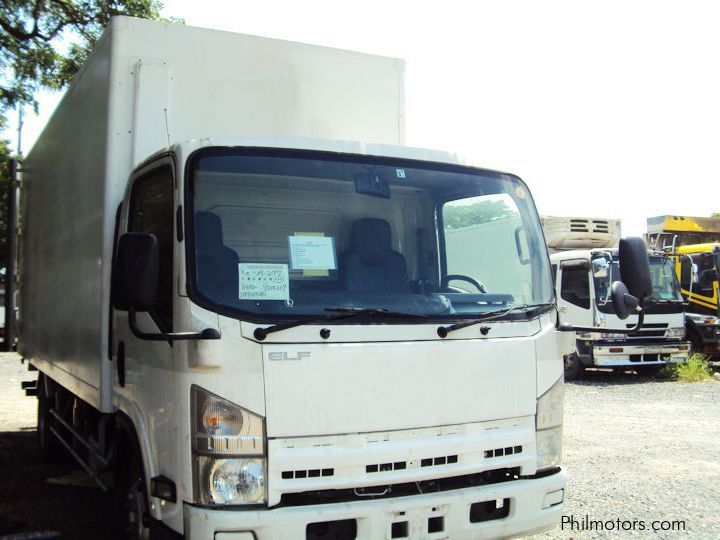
(635, 267)
(136, 272)
(624, 303)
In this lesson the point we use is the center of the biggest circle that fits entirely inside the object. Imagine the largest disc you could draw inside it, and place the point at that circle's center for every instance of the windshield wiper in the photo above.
(341, 313)
(443, 331)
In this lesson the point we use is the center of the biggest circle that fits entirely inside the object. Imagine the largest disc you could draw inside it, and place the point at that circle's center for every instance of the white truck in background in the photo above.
(583, 279)
(263, 330)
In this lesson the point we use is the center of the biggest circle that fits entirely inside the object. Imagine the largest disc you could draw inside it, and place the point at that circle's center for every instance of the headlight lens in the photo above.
(229, 461)
(619, 337)
(549, 448)
(232, 481)
(548, 422)
(221, 427)
(675, 332)
(550, 407)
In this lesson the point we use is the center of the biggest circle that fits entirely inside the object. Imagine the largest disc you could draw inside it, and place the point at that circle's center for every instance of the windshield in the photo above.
(285, 234)
(662, 274)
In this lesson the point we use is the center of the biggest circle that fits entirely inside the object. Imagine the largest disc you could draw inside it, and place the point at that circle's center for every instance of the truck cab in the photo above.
(582, 281)
(694, 244)
(331, 389)
(697, 267)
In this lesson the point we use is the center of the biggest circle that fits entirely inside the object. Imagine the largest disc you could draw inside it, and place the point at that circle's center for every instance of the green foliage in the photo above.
(696, 369)
(458, 216)
(31, 32)
(5, 182)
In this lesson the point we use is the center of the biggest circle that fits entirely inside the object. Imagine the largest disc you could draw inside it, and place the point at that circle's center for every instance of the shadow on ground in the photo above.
(28, 503)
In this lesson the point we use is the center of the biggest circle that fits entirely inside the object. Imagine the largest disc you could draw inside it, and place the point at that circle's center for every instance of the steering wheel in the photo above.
(445, 281)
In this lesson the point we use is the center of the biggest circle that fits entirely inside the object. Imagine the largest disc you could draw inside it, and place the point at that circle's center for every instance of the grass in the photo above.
(696, 369)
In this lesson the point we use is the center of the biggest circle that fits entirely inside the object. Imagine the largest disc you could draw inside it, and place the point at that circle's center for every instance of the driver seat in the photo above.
(371, 265)
(216, 264)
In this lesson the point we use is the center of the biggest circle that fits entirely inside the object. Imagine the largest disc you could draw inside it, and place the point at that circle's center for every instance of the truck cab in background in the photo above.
(583, 280)
(694, 245)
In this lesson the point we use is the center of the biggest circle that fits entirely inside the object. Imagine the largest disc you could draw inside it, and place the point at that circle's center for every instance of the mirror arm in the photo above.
(208, 333)
(571, 328)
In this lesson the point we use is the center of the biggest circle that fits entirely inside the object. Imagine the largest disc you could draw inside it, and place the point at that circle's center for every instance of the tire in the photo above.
(696, 342)
(650, 371)
(574, 369)
(50, 447)
(129, 492)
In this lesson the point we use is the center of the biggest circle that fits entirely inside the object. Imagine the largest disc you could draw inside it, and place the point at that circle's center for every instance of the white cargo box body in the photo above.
(145, 86)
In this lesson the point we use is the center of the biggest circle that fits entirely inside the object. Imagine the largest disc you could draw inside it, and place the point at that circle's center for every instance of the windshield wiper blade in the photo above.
(378, 312)
(341, 313)
(443, 331)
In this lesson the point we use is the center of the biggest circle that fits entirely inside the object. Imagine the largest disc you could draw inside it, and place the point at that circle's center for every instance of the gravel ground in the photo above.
(641, 450)
(635, 450)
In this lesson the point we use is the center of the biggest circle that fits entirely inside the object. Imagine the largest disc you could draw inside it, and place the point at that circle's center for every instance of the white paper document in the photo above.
(312, 253)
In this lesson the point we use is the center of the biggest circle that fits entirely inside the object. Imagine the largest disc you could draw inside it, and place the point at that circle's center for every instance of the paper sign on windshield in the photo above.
(261, 281)
(312, 252)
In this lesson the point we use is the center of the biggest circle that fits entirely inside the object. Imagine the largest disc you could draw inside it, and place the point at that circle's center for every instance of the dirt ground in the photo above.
(35, 496)
(635, 450)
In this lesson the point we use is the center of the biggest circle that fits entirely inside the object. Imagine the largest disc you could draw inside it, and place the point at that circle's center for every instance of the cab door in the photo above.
(141, 382)
(574, 292)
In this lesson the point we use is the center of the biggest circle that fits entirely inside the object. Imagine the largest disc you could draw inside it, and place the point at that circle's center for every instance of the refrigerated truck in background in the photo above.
(694, 245)
(583, 281)
(584, 257)
(263, 329)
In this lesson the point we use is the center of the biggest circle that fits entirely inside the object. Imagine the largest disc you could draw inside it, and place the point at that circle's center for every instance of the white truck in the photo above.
(260, 328)
(583, 279)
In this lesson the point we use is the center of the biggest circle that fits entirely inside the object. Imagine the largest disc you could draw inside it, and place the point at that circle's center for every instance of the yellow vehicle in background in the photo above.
(694, 244)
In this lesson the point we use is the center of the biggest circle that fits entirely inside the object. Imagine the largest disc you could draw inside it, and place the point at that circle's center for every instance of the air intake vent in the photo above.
(311, 473)
(399, 465)
(508, 451)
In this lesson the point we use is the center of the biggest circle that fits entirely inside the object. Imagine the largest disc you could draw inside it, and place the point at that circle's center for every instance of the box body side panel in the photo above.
(63, 296)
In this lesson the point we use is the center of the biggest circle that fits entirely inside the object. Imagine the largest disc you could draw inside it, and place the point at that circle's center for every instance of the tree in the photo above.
(460, 216)
(5, 185)
(43, 43)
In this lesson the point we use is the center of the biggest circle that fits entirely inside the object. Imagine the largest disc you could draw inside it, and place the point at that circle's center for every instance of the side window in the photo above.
(152, 211)
(575, 284)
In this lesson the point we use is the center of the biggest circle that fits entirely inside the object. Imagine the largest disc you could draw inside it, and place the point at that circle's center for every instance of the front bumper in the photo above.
(623, 354)
(535, 505)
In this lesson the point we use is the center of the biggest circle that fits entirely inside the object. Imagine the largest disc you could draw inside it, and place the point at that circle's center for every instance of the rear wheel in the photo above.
(574, 369)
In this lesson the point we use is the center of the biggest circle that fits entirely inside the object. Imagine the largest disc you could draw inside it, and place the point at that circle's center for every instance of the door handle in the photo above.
(562, 309)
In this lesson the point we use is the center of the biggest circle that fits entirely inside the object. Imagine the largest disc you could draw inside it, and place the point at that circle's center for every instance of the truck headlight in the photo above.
(675, 332)
(228, 444)
(617, 337)
(221, 427)
(548, 426)
(231, 481)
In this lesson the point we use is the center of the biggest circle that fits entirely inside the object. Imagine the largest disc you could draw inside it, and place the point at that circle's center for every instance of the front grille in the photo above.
(656, 330)
(327, 496)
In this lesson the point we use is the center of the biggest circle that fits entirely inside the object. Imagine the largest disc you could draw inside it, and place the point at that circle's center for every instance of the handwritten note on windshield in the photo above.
(264, 281)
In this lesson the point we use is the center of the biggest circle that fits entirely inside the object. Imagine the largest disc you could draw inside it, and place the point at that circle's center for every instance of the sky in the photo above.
(606, 109)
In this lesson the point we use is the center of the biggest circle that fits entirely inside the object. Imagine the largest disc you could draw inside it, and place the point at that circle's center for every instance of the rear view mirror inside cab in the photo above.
(372, 183)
